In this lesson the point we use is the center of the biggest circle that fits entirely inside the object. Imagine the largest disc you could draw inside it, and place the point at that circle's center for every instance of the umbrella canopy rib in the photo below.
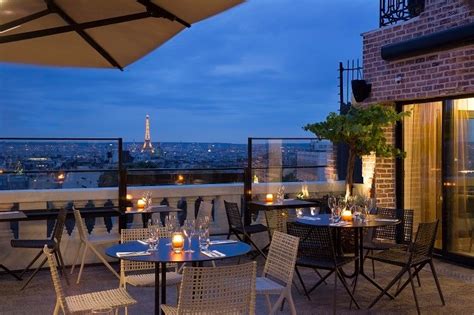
(56, 9)
(24, 20)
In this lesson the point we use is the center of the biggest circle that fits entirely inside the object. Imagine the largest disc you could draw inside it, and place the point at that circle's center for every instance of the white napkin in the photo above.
(9, 212)
(142, 242)
(131, 254)
(213, 253)
(220, 242)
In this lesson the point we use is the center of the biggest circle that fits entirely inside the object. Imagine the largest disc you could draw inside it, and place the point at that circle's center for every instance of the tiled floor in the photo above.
(457, 284)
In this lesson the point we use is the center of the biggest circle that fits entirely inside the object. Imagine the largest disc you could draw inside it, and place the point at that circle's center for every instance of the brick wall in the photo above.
(438, 74)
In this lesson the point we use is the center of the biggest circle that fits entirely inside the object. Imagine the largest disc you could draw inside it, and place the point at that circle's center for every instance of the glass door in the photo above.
(422, 176)
(459, 176)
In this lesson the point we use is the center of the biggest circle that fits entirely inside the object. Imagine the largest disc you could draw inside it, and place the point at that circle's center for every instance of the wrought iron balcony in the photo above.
(394, 11)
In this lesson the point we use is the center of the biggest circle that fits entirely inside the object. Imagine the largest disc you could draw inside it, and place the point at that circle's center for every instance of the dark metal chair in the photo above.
(237, 228)
(391, 236)
(53, 243)
(418, 255)
(317, 251)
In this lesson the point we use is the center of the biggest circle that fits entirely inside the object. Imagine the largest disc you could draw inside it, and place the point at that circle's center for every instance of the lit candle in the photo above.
(129, 197)
(347, 215)
(269, 198)
(141, 204)
(177, 242)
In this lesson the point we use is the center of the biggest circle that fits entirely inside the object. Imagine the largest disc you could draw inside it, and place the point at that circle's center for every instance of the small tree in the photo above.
(362, 129)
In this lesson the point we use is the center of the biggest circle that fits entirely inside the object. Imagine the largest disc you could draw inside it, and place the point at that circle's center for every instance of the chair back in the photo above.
(233, 215)
(408, 217)
(388, 232)
(219, 290)
(281, 259)
(81, 226)
(59, 226)
(315, 242)
(205, 210)
(422, 247)
(277, 219)
(58, 288)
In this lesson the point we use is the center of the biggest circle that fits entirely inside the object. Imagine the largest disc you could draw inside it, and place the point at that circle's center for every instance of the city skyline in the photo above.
(254, 71)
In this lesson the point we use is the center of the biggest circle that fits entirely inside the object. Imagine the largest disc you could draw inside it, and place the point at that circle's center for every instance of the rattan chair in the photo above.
(391, 236)
(418, 255)
(142, 274)
(54, 243)
(89, 242)
(277, 220)
(85, 303)
(237, 228)
(317, 251)
(220, 290)
(278, 272)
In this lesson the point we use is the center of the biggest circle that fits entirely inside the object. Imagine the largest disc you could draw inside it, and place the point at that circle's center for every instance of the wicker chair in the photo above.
(142, 274)
(54, 243)
(386, 237)
(278, 271)
(220, 290)
(277, 219)
(237, 228)
(418, 255)
(317, 251)
(89, 242)
(85, 303)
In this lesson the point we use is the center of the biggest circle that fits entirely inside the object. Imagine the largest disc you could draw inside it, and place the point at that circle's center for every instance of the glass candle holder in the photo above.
(141, 204)
(177, 242)
(347, 215)
(269, 198)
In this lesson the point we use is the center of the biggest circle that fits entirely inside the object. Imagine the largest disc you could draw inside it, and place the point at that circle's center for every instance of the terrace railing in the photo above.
(394, 11)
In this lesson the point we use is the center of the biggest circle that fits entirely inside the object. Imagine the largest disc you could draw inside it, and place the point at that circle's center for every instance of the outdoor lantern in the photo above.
(141, 204)
(177, 242)
(269, 198)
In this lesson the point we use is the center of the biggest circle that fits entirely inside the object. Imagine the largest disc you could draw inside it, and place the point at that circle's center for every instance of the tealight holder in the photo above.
(177, 242)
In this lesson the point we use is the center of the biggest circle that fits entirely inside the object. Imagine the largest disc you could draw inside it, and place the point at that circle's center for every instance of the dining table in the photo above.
(165, 255)
(373, 221)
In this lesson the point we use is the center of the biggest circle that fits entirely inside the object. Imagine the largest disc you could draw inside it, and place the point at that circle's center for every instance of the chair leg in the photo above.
(384, 291)
(30, 264)
(302, 283)
(269, 303)
(34, 274)
(256, 247)
(104, 261)
(417, 270)
(56, 308)
(373, 265)
(344, 283)
(291, 302)
(435, 276)
(63, 266)
(83, 260)
(354, 288)
(414, 291)
(319, 275)
(76, 258)
(334, 295)
(275, 307)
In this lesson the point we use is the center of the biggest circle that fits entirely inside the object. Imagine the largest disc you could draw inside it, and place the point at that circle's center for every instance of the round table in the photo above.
(359, 226)
(165, 255)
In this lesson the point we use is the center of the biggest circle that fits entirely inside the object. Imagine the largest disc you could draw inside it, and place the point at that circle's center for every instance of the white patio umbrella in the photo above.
(95, 33)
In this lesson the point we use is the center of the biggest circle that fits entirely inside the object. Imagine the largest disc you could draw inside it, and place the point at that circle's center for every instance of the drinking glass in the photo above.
(332, 203)
(204, 222)
(337, 214)
(204, 239)
(152, 240)
(189, 227)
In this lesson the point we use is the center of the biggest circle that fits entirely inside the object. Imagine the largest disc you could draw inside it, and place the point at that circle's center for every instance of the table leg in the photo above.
(163, 283)
(157, 289)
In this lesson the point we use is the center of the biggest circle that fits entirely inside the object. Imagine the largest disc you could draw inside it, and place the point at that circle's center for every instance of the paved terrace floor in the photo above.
(457, 284)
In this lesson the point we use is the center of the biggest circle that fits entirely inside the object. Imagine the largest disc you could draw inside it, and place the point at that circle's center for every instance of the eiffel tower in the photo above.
(147, 146)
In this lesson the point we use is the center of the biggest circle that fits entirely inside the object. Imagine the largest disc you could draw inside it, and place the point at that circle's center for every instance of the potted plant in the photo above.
(362, 129)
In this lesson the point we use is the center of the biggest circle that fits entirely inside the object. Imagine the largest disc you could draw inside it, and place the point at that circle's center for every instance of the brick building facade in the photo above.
(437, 74)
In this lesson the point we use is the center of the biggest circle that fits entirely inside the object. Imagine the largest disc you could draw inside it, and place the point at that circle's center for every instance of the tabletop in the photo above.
(324, 220)
(153, 209)
(165, 254)
(12, 215)
(286, 203)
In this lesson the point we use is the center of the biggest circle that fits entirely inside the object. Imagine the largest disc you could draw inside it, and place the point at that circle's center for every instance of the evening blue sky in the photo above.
(264, 68)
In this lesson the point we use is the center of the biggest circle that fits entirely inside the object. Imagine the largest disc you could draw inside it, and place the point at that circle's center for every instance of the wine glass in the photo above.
(204, 240)
(337, 213)
(189, 227)
(332, 204)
